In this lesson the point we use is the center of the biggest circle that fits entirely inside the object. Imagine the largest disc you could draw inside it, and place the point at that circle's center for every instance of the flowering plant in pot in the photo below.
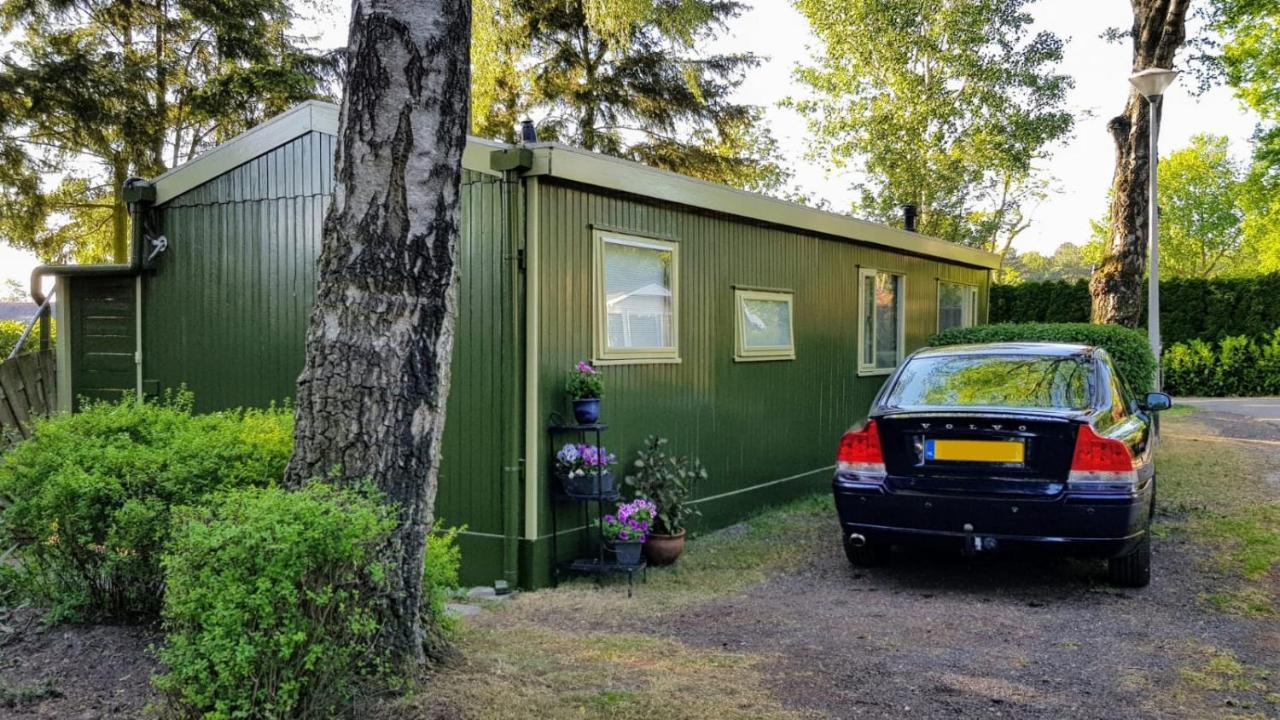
(669, 482)
(584, 469)
(626, 529)
(585, 387)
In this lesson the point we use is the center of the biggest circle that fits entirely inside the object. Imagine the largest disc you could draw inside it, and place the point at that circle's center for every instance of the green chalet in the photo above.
(749, 331)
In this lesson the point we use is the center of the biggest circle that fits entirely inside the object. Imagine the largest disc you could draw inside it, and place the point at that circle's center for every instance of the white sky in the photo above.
(1082, 167)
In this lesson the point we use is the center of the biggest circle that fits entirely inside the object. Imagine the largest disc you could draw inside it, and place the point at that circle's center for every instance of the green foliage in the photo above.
(942, 104)
(1199, 213)
(584, 382)
(89, 496)
(669, 482)
(1068, 262)
(11, 331)
(273, 601)
(1235, 366)
(630, 78)
(1128, 348)
(440, 576)
(92, 93)
(1190, 308)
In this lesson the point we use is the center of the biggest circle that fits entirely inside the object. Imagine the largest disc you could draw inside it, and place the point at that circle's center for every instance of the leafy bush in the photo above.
(440, 575)
(584, 382)
(667, 481)
(11, 331)
(89, 495)
(1190, 308)
(1128, 348)
(273, 601)
(1237, 365)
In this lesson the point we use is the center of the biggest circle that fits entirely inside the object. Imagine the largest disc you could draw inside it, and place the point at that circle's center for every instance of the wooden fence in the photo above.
(28, 390)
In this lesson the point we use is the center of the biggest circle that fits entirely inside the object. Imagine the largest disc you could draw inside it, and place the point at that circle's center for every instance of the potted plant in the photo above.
(625, 530)
(584, 469)
(585, 387)
(669, 483)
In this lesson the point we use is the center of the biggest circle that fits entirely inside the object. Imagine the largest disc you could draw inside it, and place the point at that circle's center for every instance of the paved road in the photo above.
(1260, 408)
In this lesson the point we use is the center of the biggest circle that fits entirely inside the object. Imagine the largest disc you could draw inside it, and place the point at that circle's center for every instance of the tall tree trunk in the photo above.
(371, 397)
(1159, 29)
(119, 211)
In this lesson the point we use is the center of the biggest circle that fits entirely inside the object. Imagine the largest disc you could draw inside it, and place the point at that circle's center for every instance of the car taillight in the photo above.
(1101, 464)
(860, 453)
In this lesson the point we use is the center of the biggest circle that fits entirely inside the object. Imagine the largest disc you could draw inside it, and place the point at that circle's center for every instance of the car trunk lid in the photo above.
(978, 451)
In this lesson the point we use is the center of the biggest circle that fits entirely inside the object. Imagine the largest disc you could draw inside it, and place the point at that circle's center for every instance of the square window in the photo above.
(637, 299)
(763, 328)
(957, 305)
(880, 321)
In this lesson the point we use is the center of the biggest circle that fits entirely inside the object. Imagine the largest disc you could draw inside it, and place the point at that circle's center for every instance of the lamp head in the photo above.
(1153, 81)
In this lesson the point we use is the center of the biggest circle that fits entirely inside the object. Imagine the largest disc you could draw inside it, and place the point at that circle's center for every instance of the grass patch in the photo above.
(715, 565)
(1216, 493)
(1216, 678)
(1178, 411)
(525, 670)
(13, 697)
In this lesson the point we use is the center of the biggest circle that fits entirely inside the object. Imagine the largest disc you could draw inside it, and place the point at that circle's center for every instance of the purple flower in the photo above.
(585, 367)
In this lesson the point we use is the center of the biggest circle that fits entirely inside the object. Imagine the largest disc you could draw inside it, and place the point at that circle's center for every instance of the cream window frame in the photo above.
(865, 274)
(741, 352)
(603, 355)
(970, 308)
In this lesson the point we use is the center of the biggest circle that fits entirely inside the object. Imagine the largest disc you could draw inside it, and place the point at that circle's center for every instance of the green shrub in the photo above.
(272, 602)
(440, 575)
(11, 330)
(1208, 309)
(89, 495)
(1128, 348)
(1235, 366)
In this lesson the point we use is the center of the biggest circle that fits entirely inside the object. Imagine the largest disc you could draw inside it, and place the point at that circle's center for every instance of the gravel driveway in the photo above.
(935, 636)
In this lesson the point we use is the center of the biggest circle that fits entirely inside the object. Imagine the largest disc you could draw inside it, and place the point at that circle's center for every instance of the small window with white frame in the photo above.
(957, 305)
(763, 328)
(881, 322)
(637, 297)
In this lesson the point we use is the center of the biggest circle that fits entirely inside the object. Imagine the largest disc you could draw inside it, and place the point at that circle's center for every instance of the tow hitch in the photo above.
(974, 544)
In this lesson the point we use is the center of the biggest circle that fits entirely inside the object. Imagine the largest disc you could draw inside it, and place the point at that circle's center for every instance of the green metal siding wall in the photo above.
(771, 426)
(226, 314)
(103, 324)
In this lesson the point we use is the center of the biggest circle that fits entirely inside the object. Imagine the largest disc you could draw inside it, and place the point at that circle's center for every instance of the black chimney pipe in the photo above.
(909, 215)
(528, 133)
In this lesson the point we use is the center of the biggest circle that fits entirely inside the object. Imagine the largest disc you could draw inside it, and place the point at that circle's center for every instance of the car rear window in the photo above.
(1028, 381)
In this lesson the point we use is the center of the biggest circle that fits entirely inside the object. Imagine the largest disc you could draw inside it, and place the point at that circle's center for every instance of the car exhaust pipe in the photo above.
(857, 540)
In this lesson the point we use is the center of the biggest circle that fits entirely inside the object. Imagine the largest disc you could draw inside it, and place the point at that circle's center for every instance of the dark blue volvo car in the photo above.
(986, 447)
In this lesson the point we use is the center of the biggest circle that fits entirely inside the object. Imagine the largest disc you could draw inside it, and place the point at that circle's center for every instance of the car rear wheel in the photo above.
(1132, 569)
(867, 554)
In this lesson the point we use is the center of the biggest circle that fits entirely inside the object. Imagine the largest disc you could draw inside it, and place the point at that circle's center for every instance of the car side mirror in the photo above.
(1156, 401)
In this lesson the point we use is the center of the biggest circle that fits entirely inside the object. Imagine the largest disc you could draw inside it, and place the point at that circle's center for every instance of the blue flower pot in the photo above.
(588, 486)
(628, 553)
(586, 411)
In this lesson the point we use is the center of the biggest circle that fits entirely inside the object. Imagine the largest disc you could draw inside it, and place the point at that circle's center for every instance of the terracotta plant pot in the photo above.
(662, 550)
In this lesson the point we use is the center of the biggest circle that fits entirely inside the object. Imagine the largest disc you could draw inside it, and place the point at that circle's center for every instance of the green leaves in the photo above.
(669, 482)
(273, 600)
(623, 77)
(943, 105)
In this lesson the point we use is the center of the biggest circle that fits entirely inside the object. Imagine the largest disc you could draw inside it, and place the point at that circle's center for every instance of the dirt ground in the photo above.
(806, 635)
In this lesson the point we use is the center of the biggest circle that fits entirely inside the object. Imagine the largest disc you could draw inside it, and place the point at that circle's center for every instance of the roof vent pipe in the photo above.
(528, 133)
(909, 215)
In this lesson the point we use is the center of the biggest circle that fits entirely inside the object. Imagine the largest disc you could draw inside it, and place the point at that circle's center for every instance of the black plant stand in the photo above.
(601, 562)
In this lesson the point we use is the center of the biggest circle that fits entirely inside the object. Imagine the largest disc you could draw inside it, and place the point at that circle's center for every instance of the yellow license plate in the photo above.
(997, 451)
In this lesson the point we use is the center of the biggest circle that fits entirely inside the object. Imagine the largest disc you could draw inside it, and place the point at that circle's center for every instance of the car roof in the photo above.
(1010, 348)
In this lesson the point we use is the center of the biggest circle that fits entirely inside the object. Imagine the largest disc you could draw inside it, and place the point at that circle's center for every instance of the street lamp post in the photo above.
(1151, 84)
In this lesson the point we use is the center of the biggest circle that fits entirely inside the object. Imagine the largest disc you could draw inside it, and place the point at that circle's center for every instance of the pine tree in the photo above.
(93, 92)
(624, 78)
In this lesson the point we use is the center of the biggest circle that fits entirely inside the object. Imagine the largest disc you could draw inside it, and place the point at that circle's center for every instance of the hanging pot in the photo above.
(627, 553)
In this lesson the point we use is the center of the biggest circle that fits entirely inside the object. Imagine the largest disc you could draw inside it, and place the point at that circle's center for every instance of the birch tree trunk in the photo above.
(1159, 29)
(371, 397)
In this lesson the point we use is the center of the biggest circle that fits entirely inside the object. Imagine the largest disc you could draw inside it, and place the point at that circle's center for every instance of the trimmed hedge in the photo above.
(1128, 348)
(1190, 308)
(1236, 366)
(87, 499)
